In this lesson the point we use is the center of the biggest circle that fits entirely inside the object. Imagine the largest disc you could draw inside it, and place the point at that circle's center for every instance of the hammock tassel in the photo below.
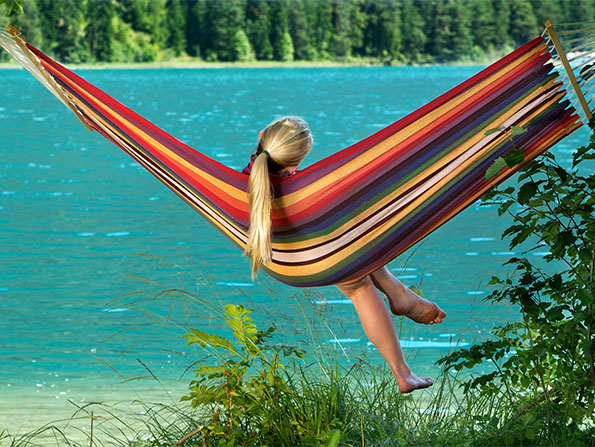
(50, 82)
(571, 77)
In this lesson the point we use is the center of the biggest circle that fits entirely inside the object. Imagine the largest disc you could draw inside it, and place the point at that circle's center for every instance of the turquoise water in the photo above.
(76, 212)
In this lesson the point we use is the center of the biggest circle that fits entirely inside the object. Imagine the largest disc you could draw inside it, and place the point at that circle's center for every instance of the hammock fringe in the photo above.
(58, 91)
(555, 40)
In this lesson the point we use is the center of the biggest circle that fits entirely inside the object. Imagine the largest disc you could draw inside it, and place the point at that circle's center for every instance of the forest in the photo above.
(381, 31)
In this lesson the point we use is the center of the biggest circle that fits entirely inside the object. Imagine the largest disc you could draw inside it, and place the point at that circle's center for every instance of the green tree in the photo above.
(414, 36)
(383, 30)
(175, 23)
(548, 10)
(502, 18)
(340, 19)
(301, 32)
(483, 24)
(279, 31)
(461, 39)
(320, 26)
(99, 29)
(523, 25)
(61, 24)
(223, 21)
(134, 12)
(195, 27)
(258, 27)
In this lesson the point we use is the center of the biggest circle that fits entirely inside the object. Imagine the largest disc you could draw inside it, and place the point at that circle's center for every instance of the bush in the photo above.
(544, 364)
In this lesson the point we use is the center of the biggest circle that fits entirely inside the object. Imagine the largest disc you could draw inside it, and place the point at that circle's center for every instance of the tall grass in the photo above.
(320, 400)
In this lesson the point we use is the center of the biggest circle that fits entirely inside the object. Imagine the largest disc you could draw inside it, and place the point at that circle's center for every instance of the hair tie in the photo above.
(267, 154)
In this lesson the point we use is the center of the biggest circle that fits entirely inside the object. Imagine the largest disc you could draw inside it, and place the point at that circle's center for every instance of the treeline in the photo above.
(391, 31)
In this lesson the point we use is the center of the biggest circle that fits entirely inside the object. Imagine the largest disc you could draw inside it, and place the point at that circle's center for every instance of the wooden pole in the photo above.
(577, 90)
(57, 89)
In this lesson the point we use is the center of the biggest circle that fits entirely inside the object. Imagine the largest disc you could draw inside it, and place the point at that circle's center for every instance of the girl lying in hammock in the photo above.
(281, 148)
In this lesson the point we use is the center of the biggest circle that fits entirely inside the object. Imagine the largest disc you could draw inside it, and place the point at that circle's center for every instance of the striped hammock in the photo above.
(349, 214)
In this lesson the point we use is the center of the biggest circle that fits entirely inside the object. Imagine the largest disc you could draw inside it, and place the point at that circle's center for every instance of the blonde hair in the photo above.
(284, 143)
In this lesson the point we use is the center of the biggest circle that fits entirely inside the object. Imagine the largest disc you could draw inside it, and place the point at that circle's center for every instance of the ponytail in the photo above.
(284, 143)
(259, 247)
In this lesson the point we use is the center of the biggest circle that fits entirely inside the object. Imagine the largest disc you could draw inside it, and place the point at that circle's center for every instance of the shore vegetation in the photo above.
(389, 32)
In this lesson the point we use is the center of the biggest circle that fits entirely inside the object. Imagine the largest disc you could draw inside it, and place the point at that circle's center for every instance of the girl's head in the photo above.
(282, 146)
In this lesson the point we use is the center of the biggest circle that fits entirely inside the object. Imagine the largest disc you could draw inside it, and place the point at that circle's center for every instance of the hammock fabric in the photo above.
(349, 214)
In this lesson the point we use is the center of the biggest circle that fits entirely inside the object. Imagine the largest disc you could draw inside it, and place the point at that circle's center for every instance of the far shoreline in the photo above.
(198, 63)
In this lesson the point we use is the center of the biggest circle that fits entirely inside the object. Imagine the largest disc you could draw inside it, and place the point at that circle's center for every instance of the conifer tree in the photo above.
(99, 30)
(300, 30)
(523, 25)
(279, 32)
(223, 21)
(258, 27)
(414, 36)
(175, 23)
(195, 27)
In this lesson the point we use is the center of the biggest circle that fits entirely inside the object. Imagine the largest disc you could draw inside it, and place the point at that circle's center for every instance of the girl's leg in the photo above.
(403, 301)
(378, 326)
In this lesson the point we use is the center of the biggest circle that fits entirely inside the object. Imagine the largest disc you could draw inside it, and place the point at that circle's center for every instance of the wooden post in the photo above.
(57, 89)
(577, 90)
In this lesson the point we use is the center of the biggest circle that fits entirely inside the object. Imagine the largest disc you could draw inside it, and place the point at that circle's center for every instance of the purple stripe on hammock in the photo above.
(401, 167)
(419, 223)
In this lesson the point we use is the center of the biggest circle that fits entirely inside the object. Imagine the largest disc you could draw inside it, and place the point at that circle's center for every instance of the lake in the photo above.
(82, 225)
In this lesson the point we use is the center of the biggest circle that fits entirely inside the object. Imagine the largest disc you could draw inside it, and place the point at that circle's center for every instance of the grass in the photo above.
(320, 402)
(189, 62)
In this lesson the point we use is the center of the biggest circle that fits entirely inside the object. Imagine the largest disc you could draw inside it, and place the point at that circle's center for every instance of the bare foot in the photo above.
(409, 304)
(403, 301)
(412, 382)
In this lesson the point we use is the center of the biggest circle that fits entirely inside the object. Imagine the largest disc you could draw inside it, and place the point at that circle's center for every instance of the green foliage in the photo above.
(13, 5)
(544, 364)
(249, 395)
(512, 158)
(388, 31)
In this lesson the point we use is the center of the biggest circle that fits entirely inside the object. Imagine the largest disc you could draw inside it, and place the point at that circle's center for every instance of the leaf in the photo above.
(495, 168)
(491, 131)
(333, 438)
(526, 192)
(205, 339)
(518, 130)
(514, 157)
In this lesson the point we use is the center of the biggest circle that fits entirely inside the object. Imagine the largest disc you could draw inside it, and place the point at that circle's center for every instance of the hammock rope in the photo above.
(348, 214)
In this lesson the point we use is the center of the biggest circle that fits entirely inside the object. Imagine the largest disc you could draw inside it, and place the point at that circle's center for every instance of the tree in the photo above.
(502, 18)
(300, 31)
(523, 25)
(61, 24)
(223, 21)
(383, 30)
(320, 26)
(195, 27)
(279, 31)
(175, 24)
(258, 27)
(483, 24)
(99, 30)
(414, 36)
(461, 39)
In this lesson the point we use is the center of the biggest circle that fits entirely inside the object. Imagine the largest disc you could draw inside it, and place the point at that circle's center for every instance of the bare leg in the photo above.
(378, 326)
(403, 301)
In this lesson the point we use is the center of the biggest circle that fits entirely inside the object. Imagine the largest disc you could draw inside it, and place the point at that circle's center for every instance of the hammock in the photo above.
(349, 214)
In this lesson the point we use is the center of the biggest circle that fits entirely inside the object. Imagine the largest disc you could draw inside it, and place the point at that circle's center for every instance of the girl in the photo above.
(281, 148)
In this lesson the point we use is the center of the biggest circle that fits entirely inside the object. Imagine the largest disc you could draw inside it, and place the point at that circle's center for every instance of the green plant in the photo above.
(248, 396)
(17, 5)
(544, 364)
